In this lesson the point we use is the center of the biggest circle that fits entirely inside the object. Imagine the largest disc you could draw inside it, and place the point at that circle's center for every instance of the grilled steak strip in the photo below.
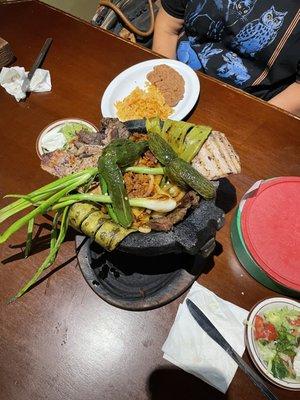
(190, 200)
(110, 129)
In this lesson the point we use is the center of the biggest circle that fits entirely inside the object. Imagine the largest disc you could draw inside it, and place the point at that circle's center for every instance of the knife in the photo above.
(37, 63)
(212, 331)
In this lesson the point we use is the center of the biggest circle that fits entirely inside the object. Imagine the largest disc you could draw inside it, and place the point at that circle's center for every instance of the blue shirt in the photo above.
(251, 44)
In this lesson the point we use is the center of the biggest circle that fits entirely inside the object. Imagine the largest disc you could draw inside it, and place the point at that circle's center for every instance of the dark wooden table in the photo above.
(61, 341)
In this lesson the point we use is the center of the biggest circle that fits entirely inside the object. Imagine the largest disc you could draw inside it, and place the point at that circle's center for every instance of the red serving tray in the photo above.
(271, 229)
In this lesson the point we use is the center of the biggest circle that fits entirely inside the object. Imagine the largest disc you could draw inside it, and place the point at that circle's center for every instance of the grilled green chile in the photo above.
(178, 170)
(184, 174)
(161, 149)
(124, 151)
(119, 153)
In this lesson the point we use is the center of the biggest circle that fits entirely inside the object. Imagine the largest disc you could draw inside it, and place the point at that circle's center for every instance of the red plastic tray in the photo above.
(271, 229)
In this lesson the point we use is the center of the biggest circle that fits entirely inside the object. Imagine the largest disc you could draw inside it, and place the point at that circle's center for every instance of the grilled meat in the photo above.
(76, 157)
(190, 200)
(138, 137)
(110, 129)
(83, 151)
(217, 157)
(147, 160)
(91, 138)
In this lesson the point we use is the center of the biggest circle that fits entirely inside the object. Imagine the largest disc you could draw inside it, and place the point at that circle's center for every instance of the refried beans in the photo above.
(169, 82)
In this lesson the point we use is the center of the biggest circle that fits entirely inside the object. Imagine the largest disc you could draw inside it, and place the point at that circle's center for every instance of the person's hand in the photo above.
(288, 99)
(166, 31)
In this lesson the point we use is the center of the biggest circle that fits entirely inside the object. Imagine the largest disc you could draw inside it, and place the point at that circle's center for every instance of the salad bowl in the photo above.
(272, 338)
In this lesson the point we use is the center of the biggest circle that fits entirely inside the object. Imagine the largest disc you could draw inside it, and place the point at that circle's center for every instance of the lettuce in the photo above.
(279, 353)
(69, 130)
(286, 342)
(279, 369)
(267, 351)
(279, 317)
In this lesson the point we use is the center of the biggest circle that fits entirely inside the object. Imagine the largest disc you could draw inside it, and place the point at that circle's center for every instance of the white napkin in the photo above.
(191, 349)
(12, 79)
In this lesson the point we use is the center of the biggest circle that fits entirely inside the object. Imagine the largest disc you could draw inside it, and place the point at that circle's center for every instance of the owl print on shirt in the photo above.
(187, 54)
(230, 61)
(238, 10)
(229, 11)
(192, 56)
(259, 33)
(233, 69)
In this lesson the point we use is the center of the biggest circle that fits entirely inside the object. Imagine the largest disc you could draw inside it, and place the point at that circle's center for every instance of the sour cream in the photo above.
(51, 138)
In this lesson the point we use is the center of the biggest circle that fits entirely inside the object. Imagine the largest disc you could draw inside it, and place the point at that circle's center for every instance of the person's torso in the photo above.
(251, 44)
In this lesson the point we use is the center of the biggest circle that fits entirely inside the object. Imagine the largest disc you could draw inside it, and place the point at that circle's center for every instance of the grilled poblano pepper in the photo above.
(124, 151)
(178, 170)
(119, 153)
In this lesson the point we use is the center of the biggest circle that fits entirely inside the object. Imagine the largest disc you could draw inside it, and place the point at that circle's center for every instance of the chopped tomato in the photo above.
(258, 327)
(270, 332)
(264, 330)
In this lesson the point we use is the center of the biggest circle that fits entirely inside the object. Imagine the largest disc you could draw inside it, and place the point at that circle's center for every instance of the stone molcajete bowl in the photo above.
(193, 235)
(149, 270)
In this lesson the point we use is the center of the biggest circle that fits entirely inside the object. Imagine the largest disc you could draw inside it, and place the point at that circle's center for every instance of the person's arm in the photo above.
(166, 31)
(288, 99)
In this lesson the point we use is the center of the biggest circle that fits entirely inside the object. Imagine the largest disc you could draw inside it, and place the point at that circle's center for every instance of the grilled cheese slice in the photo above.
(217, 158)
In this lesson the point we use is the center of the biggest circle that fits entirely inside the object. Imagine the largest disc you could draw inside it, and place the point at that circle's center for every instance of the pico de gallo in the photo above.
(277, 335)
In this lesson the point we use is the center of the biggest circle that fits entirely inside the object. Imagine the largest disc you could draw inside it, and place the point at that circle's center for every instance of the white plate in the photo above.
(260, 308)
(135, 76)
(51, 133)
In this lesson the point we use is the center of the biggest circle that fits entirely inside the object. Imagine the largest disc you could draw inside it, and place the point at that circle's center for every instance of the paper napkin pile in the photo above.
(191, 349)
(12, 79)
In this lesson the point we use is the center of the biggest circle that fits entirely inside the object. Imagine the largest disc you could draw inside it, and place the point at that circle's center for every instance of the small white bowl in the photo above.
(259, 309)
(51, 132)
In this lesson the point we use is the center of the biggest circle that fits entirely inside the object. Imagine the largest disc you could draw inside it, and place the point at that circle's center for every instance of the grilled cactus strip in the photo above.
(154, 125)
(176, 135)
(178, 170)
(119, 153)
(185, 138)
(167, 125)
(194, 141)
